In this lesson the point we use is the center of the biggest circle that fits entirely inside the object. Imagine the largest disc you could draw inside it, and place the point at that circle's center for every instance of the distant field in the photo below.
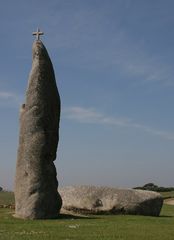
(6, 198)
(168, 194)
(118, 227)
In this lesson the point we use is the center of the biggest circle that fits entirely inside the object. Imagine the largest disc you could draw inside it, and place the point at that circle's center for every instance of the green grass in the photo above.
(6, 198)
(106, 227)
(167, 194)
(84, 228)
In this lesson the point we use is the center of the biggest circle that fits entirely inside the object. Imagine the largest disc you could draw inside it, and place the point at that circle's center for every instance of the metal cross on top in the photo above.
(37, 34)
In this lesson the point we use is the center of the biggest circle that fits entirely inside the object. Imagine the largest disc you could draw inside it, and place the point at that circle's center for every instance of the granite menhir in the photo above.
(36, 195)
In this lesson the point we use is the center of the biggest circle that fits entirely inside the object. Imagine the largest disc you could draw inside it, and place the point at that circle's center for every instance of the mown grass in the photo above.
(88, 228)
(124, 227)
(6, 198)
(167, 194)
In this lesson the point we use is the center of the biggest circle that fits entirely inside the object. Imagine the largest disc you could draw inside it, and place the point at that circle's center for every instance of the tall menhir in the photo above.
(36, 195)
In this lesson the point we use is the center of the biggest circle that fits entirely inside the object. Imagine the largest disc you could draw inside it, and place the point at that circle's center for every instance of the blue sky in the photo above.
(114, 65)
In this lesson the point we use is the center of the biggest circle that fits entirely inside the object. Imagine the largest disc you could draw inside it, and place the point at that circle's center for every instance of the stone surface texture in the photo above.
(105, 200)
(36, 195)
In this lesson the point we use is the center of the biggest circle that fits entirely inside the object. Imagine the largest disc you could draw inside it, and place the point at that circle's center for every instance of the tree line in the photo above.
(155, 188)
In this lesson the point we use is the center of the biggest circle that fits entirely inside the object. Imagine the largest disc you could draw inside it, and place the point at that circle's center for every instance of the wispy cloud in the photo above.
(109, 45)
(91, 116)
(134, 61)
(7, 97)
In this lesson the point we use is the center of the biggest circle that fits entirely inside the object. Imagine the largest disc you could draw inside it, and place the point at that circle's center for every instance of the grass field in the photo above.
(168, 194)
(6, 198)
(87, 228)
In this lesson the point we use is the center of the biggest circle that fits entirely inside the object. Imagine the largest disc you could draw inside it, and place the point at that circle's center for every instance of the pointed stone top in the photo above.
(39, 51)
(37, 34)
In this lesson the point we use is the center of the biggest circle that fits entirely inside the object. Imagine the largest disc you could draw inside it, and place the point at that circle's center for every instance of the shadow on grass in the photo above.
(71, 216)
(166, 216)
(62, 216)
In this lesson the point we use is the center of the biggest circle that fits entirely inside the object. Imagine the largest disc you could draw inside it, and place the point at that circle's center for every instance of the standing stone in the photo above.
(36, 195)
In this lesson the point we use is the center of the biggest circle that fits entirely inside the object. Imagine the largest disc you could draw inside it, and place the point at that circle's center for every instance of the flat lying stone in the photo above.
(106, 200)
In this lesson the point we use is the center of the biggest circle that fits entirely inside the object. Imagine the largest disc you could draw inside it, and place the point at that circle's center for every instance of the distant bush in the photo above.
(155, 188)
(1, 189)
